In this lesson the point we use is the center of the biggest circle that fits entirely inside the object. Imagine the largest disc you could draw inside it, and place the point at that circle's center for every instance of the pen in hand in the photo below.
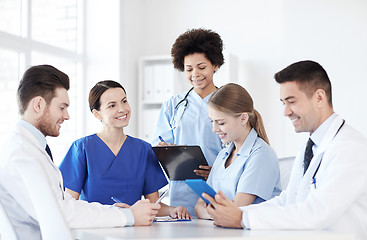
(161, 139)
(119, 203)
(116, 200)
(162, 196)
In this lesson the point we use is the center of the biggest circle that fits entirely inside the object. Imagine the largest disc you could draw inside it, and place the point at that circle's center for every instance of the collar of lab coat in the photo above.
(305, 179)
(35, 132)
(321, 131)
(24, 131)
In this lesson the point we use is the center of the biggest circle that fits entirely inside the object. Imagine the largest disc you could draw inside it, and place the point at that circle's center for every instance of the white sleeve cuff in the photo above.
(245, 222)
(129, 216)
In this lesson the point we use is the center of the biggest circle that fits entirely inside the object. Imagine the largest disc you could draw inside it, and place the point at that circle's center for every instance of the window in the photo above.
(34, 32)
(9, 65)
(10, 16)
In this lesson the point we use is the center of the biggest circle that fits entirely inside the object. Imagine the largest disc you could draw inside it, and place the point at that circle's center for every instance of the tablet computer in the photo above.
(179, 161)
(200, 186)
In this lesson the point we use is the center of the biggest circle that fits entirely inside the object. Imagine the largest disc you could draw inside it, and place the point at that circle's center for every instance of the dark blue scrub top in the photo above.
(91, 169)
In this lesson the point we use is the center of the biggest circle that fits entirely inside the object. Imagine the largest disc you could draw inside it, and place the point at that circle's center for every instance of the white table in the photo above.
(200, 229)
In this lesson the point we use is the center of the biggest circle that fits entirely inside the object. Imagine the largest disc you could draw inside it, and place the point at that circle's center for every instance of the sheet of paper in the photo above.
(169, 219)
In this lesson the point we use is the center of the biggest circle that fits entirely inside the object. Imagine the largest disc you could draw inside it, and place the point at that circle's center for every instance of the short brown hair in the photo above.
(41, 80)
(310, 75)
(197, 41)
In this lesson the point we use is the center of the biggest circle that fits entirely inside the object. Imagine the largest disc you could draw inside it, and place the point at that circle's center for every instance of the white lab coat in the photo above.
(23, 146)
(338, 203)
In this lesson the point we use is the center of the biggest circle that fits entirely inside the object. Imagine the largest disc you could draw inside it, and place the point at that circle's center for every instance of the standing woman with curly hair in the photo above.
(183, 119)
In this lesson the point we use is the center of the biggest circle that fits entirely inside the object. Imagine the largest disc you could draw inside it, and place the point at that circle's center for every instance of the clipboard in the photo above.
(180, 161)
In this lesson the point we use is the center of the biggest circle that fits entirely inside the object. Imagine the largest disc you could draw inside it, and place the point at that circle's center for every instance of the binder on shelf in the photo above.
(167, 81)
(149, 120)
(148, 87)
(157, 82)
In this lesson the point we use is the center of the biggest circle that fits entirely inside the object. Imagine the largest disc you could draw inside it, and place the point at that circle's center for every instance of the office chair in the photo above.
(285, 165)
(49, 216)
(7, 231)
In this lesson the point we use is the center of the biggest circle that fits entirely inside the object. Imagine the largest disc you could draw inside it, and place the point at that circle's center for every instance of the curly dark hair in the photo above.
(197, 41)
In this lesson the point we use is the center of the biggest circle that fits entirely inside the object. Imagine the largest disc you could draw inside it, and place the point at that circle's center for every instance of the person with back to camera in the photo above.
(183, 118)
(247, 171)
(43, 102)
(111, 164)
(328, 183)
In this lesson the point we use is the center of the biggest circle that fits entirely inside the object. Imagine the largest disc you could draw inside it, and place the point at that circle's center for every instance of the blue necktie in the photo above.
(48, 150)
(308, 155)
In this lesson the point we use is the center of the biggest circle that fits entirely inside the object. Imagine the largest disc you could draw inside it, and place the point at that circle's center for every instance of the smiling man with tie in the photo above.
(335, 157)
(43, 103)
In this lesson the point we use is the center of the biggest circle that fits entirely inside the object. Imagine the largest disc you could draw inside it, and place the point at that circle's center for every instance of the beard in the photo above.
(47, 125)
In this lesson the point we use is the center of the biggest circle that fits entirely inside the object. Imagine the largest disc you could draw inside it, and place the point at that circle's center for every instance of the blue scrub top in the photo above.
(191, 126)
(91, 169)
(255, 171)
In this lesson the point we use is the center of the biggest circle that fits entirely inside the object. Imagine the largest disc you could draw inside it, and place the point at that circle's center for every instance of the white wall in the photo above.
(266, 36)
(102, 48)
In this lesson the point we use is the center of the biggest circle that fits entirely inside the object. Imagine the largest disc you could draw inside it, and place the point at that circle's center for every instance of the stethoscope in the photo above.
(184, 101)
(313, 181)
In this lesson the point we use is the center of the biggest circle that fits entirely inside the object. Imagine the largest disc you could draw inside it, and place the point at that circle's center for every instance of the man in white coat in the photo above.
(330, 193)
(43, 102)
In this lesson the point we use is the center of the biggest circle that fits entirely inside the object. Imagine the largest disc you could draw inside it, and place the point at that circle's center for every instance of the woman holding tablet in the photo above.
(247, 171)
(110, 164)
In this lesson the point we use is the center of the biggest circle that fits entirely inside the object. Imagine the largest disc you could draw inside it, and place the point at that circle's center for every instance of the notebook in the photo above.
(179, 161)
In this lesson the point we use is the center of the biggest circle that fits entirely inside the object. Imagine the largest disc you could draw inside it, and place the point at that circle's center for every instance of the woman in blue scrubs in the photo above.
(183, 119)
(247, 171)
(111, 163)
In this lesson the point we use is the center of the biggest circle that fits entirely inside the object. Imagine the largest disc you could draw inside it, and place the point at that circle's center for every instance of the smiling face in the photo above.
(115, 110)
(199, 71)
(228, 127)
(55, 113)
(304, 112)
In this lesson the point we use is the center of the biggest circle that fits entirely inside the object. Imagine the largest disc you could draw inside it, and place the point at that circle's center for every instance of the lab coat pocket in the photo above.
(313, 185)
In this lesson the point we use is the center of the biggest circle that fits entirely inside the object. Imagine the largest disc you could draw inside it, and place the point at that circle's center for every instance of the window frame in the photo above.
(24, 46)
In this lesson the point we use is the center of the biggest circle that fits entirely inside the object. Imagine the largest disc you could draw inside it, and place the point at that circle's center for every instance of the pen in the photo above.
(162, 196)
(116, 200)
(314, 182)
(161, 139)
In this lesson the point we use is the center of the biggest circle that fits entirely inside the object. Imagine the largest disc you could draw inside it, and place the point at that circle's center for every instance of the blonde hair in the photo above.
(233, 99)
